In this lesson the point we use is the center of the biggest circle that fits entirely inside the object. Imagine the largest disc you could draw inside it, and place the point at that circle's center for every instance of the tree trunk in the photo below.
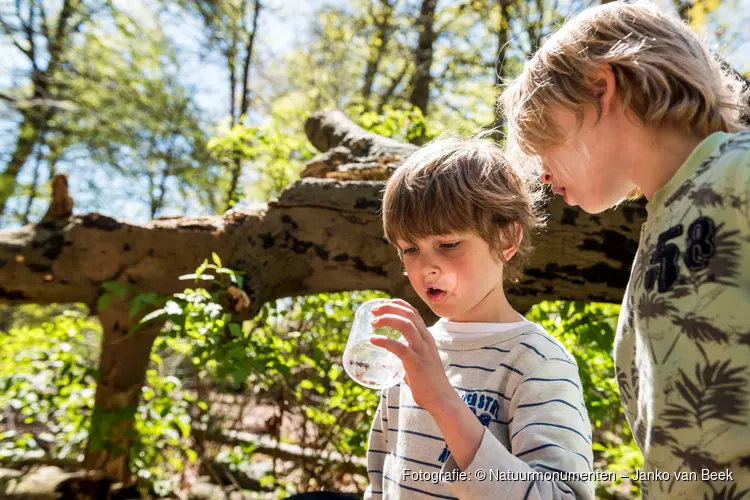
(235, 168)
(263, 445)
(377, 50)
(503, 31)
(231, 57)
(122, 369)
(248, 58)
(388, 94)
(423, 55)
(34, 186)
(235, 171)
(28, 136)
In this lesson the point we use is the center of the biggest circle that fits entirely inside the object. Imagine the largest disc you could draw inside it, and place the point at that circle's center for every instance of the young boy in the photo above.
(491, 406)
(624, 100)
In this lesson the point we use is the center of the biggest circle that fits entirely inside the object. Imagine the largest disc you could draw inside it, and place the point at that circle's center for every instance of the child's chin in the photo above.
(440, 308)
(591, 209)
(436, 299)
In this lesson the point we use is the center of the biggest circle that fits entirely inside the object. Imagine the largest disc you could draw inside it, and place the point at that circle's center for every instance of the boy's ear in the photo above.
(511, 250)
(605, 87)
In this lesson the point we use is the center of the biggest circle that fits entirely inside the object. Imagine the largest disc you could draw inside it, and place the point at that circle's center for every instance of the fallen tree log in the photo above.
(264, 445)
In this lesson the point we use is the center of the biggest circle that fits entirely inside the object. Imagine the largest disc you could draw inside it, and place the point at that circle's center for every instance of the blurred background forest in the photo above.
(194, 107)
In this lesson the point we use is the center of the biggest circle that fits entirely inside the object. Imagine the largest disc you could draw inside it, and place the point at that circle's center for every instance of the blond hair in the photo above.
(456, 185)
(663, 72)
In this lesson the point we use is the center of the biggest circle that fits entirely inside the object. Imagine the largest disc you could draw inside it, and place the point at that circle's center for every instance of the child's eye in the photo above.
(449, 246)
(409, 250)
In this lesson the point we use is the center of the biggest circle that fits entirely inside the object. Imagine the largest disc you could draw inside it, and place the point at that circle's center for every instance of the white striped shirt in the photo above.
(524, 387)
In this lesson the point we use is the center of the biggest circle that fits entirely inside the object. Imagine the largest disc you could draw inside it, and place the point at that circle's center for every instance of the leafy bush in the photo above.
(289, 355)
(47, 382)
(47, 386)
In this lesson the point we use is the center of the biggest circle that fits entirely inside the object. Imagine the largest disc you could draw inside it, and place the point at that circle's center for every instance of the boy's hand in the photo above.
(425, 374)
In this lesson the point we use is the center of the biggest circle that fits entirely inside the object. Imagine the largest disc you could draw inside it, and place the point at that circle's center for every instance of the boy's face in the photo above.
(592, 168)
(456, 275)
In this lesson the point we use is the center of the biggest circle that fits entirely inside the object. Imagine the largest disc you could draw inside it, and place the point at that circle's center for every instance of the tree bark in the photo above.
(503, 39)
(122, 370)
(236, 162)
(388, 94)
(25, 218)
(423, 55)
(28, 136)
(383, 31)
(235, 171)
(248, 58)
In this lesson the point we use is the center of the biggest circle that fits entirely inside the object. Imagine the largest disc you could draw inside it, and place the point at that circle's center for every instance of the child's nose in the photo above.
(430, 272)
(546, 177)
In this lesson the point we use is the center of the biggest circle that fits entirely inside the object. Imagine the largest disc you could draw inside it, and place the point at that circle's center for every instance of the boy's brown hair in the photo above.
(455, 185)
(663, 72)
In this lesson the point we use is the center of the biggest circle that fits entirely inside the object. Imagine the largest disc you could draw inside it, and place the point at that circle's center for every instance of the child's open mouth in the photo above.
(435, 294)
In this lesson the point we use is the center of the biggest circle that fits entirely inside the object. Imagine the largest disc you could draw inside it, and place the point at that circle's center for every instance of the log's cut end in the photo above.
(350, 152)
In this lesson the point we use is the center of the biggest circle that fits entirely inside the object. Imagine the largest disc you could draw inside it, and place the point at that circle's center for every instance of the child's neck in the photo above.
(658, 155)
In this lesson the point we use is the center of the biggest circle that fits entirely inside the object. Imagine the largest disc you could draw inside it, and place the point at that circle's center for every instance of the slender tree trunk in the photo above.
(232, 89)
(423, 56)
(122, 369)
(235, 171)
(151, 196)
(539, 25)
(248, 58)
(28, 136)
(34, 185)
(150, 175)
(377, 50)
(236, 162)
(52, 159)
(158, 203)
(503, 39)
(388, 94)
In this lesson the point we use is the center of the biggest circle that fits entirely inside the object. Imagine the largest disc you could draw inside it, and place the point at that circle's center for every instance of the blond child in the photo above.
(625, 100)
(491, 406)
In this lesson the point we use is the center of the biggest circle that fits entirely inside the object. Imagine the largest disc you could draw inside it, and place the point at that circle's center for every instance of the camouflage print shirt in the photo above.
(682, 351)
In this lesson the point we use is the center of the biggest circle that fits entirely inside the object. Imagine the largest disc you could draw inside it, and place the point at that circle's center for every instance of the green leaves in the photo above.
(47, 380)
(143, 300)
(111, 289)
(164, 427)
(405, 123)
